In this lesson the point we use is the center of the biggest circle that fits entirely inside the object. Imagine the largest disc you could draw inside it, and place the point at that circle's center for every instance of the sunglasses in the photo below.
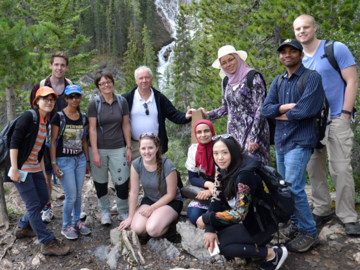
(47, 100)
(224, 136)
(146, 108)
(75, 96)
(148, 134)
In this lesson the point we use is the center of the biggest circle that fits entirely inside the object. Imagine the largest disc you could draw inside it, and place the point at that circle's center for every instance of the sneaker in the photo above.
(69, 233)
(81, 228)
(114, 208)
(55, 247)
(83, 215)
(23, 232)
(105, 218)
(47, 215)
(288, 231)
(352, 228)
(123, 216)
(275, 263)
(302, 242)
(319, 220)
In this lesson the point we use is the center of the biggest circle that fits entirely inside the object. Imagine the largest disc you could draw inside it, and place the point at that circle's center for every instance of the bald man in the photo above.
(341, 91)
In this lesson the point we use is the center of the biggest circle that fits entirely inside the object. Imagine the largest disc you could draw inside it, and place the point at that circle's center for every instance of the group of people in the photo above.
(127, 137)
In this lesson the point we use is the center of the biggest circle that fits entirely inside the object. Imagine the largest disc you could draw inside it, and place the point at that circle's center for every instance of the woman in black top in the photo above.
(230, 220)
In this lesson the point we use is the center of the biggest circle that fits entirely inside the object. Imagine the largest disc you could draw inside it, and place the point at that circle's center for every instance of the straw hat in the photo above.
(225, 50)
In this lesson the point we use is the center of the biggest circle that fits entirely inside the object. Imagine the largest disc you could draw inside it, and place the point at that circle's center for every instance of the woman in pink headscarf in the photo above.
(201, 169)
(242, 103)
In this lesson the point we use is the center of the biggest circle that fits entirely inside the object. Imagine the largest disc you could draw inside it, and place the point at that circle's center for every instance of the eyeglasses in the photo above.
(105, 83)
(224, 136)
(48, 100)
(146, 109)
(148, 134)
(72, 97)
(227, 62)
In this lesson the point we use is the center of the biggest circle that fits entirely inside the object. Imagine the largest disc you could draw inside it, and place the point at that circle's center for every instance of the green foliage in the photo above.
(12, 213)
(149, 53)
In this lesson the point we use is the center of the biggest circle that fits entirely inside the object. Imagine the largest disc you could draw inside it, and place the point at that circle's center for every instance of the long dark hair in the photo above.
(228, 177)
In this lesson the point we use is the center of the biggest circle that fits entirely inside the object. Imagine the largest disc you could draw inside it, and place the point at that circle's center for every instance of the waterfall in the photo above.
(168, 11)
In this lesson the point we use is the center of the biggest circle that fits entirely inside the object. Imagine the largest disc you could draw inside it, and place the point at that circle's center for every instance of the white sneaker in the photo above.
(47, 215)
(105, 218)
(123, 216)
(114, 208)
(83, 215)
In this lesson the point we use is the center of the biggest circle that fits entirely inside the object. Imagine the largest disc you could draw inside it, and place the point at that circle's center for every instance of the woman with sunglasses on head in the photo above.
(201, 169)
(162, 201)
(242, 103)
(110, 146)
(231, 221)
(26, 154)
(70, 159)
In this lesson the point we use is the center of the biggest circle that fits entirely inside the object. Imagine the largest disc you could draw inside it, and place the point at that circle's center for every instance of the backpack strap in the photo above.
(279, 81)
(34, 115)
(68, 81)
(330, 55)
(83, 118)
(120, 102)
(42, 83)
(301, 83)
(98, 109)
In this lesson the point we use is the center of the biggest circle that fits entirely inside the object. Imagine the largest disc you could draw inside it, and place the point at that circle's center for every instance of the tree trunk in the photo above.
(10, 112)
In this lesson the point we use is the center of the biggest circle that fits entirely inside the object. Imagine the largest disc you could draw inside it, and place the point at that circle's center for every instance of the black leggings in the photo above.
(235, 241)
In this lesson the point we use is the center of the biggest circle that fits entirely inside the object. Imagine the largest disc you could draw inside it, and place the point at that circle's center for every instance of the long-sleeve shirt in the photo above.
(298, 130)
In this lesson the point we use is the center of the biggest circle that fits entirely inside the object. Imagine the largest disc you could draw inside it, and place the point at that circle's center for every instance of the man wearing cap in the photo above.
(149, 109)
(57, 81)
(295, 137)
(341, 90)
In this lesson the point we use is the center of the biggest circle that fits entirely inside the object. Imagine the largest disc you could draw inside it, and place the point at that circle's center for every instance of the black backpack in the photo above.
(280, 200)
(250, 83)
(5, 138)
(322, 119)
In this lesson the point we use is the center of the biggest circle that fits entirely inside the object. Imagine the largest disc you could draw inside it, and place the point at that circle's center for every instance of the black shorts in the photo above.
(174, 204)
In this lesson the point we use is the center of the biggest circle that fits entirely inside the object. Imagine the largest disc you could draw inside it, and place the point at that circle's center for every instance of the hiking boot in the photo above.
(288, 231)
(23, 232)
(123, 216)
(81, 228)
(352, 228)
(70, 233)
(55, 247)
(302, 242)
(105, 218)
(47, 215)
(275, 263)
(114, 208)
(319, 220)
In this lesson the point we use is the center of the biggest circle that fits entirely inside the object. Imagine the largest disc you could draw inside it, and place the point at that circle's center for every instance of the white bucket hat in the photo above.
(225, 50)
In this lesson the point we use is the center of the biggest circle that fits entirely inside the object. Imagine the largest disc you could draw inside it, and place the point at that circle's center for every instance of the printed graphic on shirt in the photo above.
(72, 139)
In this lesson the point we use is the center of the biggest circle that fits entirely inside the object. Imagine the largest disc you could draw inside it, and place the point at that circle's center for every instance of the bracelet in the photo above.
(129, 147)
(346, 112)
(53, 162)
(88, 161)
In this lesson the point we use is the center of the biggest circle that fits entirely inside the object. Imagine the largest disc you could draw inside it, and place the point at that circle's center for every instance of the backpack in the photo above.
(42, 82)
(250, 83)
(322, 119)
(5, 138)
(98, 108)
(280, 199)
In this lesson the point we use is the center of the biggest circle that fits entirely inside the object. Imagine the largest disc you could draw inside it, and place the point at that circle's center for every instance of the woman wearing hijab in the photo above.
(201, 169)
(242, 104)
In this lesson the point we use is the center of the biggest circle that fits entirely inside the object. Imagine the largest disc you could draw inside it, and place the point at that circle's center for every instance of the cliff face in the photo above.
(162, 36)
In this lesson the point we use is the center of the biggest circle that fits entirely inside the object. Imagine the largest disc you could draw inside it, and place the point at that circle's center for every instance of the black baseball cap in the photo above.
(291, 42)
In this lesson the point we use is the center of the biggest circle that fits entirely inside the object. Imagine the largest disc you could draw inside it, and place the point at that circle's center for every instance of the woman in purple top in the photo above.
(242, 104)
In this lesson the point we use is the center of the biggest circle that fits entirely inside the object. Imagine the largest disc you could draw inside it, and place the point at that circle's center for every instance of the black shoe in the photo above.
(275, 264)
(302, 242)
(319, 220)
(352, 228)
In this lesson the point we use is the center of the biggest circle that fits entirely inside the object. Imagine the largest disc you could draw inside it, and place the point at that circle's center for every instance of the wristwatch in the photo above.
(346, 112)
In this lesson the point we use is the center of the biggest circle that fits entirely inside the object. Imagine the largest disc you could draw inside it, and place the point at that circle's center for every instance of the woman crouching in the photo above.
(231, 221)
(162, 201)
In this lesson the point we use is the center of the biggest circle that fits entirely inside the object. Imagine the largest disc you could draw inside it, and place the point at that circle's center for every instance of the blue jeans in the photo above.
(194, 213)
(35, 195)
(74, 169)
(292, 166)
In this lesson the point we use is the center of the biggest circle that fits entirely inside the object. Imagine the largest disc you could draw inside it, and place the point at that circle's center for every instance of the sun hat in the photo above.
(72, 88)
(291, 42)
(45, 91)
(225, 50)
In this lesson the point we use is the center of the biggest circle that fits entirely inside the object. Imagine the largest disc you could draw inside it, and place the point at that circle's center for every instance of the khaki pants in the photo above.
(338, 148)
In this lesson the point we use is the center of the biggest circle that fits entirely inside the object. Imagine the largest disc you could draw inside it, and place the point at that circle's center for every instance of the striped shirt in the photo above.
(32, 164)
(299, 129)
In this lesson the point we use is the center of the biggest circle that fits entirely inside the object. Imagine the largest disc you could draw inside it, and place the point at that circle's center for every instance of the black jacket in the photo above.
(23, 139)
(165, 110)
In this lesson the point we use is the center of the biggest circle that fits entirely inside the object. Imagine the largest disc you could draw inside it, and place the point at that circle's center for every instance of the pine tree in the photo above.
(149, 53)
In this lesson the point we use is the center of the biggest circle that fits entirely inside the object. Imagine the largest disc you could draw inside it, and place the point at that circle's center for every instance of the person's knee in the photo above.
(153, 229)
(101, 189)
(138, 228)
(122, 191)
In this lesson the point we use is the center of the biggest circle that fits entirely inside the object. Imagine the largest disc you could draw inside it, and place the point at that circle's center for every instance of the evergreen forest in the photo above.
(129, 33)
